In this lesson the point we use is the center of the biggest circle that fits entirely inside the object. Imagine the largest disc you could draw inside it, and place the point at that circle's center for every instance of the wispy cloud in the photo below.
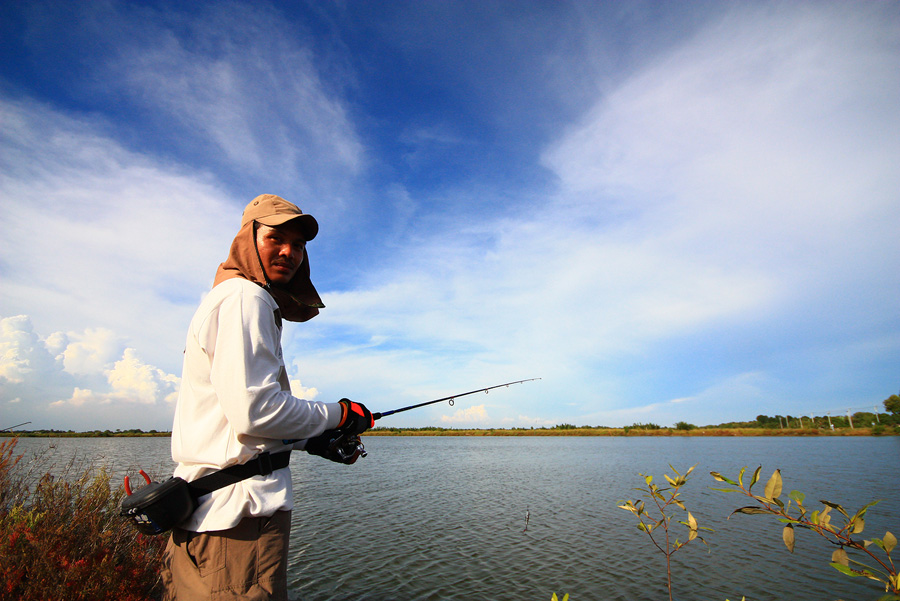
(734, 184)
(98, 235)
(248, 86)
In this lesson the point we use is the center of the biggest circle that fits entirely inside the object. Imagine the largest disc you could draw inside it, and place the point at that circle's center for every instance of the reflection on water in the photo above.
(443, 517)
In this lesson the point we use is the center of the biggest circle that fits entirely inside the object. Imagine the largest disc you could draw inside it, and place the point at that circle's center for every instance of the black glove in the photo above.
(336, 446)
(355, 418)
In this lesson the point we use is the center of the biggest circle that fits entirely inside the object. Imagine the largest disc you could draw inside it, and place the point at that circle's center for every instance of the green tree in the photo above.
(892, 404)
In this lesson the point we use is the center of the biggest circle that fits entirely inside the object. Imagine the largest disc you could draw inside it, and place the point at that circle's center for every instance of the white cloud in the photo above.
(247, 85)
(30, 379)
(88, 352)
(743, 183)
(732, 201)
(22, 355)
(126, 244)
(521, 421)
(132, 380)
(764, 145)
(476, 414)
(302, 392)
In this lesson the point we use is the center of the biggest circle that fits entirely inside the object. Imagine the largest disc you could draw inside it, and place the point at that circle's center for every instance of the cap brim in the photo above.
(307, 222)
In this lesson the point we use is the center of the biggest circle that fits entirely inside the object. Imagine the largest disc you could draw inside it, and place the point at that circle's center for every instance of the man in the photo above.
(235, 408)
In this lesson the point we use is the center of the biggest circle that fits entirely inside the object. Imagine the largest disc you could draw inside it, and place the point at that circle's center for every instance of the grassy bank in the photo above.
(627, 431)
(633, 432)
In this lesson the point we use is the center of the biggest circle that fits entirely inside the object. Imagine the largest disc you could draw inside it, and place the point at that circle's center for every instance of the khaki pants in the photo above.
(247, 562)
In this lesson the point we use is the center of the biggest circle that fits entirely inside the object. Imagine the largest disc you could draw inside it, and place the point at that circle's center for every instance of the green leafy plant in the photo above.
(555, 598)
(651, 520)
(794, 514)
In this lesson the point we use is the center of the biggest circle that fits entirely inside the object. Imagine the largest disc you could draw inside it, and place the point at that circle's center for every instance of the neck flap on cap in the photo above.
(298, 300)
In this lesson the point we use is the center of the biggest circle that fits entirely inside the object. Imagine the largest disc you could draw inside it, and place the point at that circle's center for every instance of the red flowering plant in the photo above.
(61, 537)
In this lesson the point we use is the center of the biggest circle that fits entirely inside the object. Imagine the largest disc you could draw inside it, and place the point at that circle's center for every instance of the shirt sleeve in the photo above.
(246, 363)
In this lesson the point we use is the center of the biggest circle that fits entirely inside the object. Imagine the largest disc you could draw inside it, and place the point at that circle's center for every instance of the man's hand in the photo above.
(355, 418)
(335, 446)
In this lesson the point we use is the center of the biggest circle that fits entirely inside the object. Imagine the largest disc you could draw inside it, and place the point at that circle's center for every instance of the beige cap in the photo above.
(273, 211)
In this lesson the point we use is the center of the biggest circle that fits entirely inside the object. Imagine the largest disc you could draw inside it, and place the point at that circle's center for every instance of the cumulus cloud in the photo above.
(302, 392)
(22, 355)
(87, 352)
(90, 371)
(476, 414)
(130, 381)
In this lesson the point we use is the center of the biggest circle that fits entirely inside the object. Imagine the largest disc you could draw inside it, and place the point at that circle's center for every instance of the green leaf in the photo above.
(845, 570)
(862, 512)
(855, 573)
(724, 489)
(890, 541)
(755, 478)
(692, 521)
(690, 469)
(797, 496)
(857, 524)
(722, 478)
(787, 535)
(835, 506)
(669, 480)
(840, 556)
(752, 510)
(773, 486)
(741, 476)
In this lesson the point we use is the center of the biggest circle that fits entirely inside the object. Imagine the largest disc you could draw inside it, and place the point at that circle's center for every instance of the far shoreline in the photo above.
(625, 432)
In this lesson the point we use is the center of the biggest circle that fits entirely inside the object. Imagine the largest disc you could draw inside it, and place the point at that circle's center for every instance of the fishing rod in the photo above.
(451, 399)
(349, 448)
(16, 426)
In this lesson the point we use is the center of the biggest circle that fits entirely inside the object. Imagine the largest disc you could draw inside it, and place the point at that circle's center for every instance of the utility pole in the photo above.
(780, 423)
(800, 419)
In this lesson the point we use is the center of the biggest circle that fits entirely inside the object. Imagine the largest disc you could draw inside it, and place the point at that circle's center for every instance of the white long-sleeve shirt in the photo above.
(235, 402)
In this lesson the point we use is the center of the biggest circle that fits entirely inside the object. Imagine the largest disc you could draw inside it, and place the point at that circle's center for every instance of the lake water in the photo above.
(443, 518)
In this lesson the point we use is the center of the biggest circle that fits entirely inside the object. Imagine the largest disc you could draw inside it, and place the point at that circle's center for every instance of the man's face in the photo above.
(280, 250)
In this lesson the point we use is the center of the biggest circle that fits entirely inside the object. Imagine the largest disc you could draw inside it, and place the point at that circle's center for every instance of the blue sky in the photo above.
(666, 211)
